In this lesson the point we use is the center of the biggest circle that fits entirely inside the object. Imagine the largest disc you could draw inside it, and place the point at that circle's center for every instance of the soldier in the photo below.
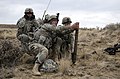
(47, 16)
(46, 33)
(67, 39)
(27, 26)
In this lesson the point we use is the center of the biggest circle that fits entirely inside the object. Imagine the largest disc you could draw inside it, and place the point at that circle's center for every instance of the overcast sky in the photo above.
(90, 13)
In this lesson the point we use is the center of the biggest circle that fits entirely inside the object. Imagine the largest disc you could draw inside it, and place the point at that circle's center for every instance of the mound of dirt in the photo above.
(9, 54)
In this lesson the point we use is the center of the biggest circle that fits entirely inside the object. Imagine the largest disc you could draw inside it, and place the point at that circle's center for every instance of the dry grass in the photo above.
(91, 63)
(64, 65)
(8, 33)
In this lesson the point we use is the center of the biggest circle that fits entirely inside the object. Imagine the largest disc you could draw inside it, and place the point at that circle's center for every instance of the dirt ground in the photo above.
(92, 61)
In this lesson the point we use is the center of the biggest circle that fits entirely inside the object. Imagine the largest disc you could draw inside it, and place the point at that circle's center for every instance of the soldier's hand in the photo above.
(75, 26)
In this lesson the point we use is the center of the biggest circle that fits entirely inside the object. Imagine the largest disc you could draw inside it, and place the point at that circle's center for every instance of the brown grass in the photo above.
(89, 65)
(64, 65)
(8, 33)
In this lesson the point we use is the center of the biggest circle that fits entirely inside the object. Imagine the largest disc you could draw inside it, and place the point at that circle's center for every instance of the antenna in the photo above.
(46, 9)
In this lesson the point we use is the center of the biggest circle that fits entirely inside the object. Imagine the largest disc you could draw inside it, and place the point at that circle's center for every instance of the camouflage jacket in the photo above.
(67, 39)
(45, 35)
(62, 31)
(27, 27)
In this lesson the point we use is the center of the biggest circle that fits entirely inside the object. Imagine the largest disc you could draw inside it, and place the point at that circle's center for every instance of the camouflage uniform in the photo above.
(67, 46)
(26, 30)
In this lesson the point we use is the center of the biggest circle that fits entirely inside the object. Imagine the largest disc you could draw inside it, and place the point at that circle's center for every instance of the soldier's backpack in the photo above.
(49, 66)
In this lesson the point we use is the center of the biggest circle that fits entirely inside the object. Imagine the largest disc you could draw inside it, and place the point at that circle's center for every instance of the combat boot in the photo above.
(35, 70)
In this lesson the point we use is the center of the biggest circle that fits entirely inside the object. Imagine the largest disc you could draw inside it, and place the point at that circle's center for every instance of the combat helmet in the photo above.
(47, 16)
(28, 10)
(52, 17)
(66, 20)
(49, 66)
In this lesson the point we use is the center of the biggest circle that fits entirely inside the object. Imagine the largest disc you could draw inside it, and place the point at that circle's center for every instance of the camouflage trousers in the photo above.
(42, 52)
(36, 49)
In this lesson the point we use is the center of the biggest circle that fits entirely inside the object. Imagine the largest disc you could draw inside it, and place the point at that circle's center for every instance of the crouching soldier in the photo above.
(46, 34)
(27, 26)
